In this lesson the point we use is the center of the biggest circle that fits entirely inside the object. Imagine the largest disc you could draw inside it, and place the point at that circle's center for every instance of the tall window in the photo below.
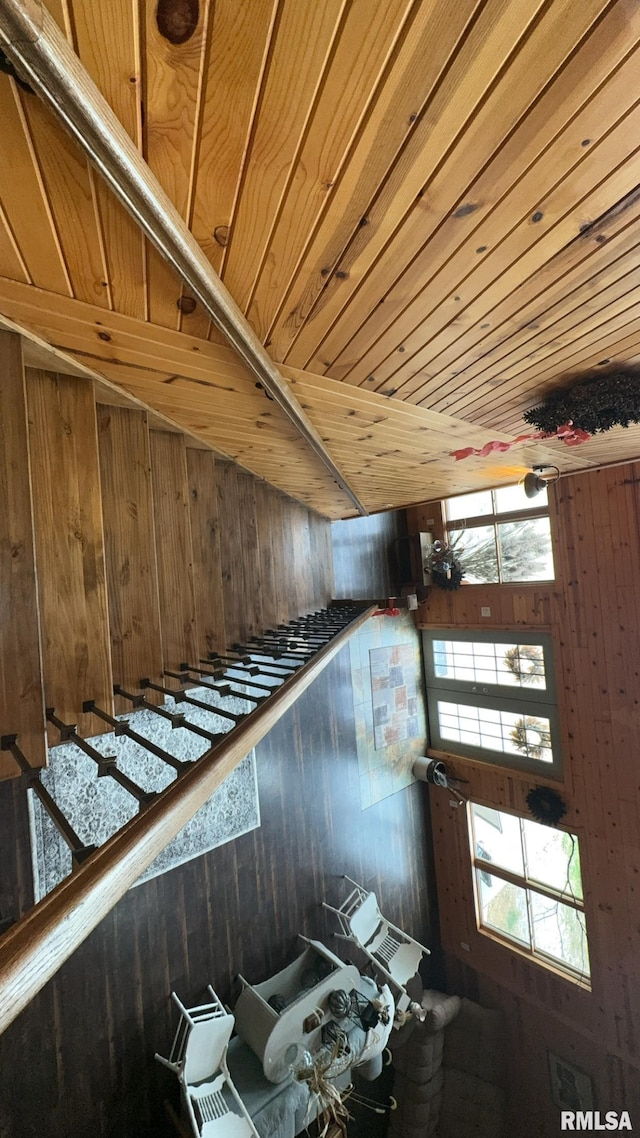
(528, 888)
(491, 697)
(501, 535)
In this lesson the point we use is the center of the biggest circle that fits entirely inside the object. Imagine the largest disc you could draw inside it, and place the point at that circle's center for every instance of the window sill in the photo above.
(531, 958)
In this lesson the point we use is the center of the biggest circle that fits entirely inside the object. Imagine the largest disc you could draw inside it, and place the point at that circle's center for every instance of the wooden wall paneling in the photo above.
(240, 41)
(471, 84)
(285, 103)
(65, 470)
(205, 541)
(248, 526)
(174, 75)
(348, 90)
(511, 184)
(21, 691)
(265, 510)
(280, 557)
(596, 549)
(403, 93)
(28, 212)
(173, 548)
(130, 548)
(70, 187)
(231, 552)
(291, 562)
(108, 43)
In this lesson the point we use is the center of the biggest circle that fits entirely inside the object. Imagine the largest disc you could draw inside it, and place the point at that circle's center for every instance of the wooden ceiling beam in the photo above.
(34, 44)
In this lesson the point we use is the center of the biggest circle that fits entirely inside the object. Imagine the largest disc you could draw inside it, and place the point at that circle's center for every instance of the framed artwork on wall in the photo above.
(571, 1088)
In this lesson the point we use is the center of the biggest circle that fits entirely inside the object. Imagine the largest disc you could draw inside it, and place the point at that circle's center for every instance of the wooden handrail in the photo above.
(33, 949)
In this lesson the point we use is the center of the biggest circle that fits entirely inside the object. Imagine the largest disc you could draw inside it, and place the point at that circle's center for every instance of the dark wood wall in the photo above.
(592, 610)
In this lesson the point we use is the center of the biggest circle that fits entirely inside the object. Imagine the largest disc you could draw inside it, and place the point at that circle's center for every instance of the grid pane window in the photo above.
(481, 661)
(529, 887)
(508, 731)
(491, 697)
(501, 535)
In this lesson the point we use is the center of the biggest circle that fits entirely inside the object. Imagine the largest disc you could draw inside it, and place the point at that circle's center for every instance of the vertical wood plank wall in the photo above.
(205, 542)
(68, 524)
(173, 548)
(132, 576)
(592, 610)
(21, 694)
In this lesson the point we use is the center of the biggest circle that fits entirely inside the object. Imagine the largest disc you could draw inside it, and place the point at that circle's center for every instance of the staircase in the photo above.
(126, 552)
(135, 568)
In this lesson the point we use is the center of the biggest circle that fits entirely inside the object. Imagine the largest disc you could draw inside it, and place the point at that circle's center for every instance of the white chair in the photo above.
(394, 953)
(199, 1058)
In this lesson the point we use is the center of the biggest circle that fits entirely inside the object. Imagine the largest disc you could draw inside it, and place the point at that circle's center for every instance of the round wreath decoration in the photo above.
(596, 402)
(546, 805)
(445, 566)
(531, 736)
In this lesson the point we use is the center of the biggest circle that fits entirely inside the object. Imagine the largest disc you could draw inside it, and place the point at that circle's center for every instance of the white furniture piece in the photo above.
(199, 1058)
(393, 952)
(280, 1039)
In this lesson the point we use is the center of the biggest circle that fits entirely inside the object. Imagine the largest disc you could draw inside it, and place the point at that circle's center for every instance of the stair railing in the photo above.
(33, 948)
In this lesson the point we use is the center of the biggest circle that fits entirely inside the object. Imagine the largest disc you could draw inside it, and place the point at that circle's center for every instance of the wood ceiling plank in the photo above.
(68, 184)
(569, 206)
(11, 261)
(108, 42)
(286, 102)
(574, 203)
(566, 361)
(521, 170)
(588, 315)
(240, 40)
(174, 75)
(428, 42)
(500, 68)
(367, 40)
(110, 335)
(24, 198)
(597, 263)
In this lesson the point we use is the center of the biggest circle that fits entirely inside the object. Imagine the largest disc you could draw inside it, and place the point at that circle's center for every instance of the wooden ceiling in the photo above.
(428, 210)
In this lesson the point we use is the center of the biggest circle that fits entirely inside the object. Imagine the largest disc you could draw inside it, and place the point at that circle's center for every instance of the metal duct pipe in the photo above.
(33, 42)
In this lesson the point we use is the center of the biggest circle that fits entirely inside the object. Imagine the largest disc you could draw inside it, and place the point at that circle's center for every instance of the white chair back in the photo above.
(205, 1047)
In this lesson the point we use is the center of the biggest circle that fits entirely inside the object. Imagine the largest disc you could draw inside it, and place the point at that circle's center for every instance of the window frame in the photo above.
(528, 885)
(495, 519)
(527, 701)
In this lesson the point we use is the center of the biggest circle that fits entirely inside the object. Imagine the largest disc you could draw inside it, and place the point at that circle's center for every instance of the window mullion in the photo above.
(498, 551)
(530, 886)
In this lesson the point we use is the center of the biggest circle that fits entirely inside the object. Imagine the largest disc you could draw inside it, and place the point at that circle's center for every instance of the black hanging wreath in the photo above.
(595, 403)
(446, 570)
(546, 805)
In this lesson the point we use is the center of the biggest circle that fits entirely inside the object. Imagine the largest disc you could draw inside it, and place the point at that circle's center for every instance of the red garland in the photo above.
(570, 435)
